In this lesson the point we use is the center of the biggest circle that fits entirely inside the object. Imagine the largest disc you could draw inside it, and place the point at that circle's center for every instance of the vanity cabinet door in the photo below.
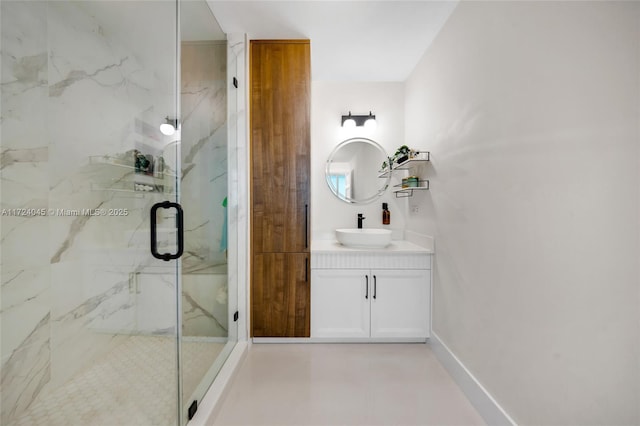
(280, 295)
(400, 303)
(340, 303)
(280, 105)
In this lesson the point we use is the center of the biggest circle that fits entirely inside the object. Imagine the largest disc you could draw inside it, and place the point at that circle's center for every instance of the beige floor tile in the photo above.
(344, 384)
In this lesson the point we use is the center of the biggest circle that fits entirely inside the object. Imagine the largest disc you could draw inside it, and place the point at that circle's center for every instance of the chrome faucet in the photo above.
(360, 219)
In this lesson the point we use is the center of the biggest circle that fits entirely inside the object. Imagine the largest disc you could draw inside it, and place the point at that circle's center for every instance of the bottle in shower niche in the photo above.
(158, 168)
(386, 214)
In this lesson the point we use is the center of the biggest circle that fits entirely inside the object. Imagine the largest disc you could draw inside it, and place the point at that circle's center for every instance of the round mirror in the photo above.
(353, 171)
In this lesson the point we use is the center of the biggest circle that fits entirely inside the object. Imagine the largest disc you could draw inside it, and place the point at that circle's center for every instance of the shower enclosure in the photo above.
(94, 329)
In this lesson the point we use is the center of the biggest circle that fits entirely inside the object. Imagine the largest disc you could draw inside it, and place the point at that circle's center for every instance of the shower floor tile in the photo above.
(134, 384)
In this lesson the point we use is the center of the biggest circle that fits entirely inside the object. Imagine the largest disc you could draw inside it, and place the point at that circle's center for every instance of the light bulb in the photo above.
(370, 124)
(349, 123)
(167, 129)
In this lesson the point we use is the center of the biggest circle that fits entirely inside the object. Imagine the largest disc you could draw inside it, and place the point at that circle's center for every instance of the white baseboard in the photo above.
(212, 401)
(338, 340)
(487, 406)
(206, 339)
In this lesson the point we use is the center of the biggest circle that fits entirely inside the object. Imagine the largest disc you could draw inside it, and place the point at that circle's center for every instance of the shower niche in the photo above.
(125, 173)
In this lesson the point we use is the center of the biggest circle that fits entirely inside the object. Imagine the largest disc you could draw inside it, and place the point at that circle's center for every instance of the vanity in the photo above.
(370, 294)
(366, 287)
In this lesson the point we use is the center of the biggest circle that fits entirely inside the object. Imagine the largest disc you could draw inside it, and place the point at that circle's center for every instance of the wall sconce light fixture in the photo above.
(169, 127)
(368, 121)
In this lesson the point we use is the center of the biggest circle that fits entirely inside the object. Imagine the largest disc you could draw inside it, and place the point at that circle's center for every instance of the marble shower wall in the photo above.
(204, 186)
(25, 309)
(204, 151)
(82, 87)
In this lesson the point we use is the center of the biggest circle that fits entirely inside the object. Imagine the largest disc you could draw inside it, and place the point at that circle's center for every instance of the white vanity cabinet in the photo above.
(376, 296)
(340, 307)
(400, 303)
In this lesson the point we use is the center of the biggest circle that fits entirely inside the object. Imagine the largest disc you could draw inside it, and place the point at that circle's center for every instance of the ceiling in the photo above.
(197, 23)
(350, 40)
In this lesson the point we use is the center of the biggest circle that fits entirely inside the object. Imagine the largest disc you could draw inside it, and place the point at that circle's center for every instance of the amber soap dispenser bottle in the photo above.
(386, 214)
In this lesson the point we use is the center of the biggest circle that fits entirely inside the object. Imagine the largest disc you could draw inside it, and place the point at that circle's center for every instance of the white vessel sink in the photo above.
(368, 238)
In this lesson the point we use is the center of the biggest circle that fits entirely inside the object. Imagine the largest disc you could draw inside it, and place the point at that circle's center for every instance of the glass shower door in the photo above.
(89, 318)
(208, 328)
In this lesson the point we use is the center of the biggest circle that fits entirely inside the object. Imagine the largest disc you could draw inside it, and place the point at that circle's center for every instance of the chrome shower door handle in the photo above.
(179, 226)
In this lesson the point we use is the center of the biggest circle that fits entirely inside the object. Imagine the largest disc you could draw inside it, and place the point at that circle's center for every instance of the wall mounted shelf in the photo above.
(408, 191)
(401, 192)
(405, 165)
(117, 173)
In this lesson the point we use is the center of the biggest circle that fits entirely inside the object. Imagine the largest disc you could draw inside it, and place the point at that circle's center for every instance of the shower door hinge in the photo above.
(192, 409)
(235, 82)
(235, 316)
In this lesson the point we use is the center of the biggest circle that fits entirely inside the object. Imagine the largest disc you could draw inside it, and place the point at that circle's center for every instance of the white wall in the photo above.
(329, 101)
(531, 110)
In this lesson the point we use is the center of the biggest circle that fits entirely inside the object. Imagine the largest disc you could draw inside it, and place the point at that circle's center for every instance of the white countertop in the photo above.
(396, 246)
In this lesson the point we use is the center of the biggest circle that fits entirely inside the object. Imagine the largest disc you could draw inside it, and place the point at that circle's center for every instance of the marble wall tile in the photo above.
(24, 79)
(24, 307)
(156, 305)
(205, 305)
(203, 151)
(91, 72)
(25, 302)
(25, 242)
(204, 186)
(25, 332)
(26, 371)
